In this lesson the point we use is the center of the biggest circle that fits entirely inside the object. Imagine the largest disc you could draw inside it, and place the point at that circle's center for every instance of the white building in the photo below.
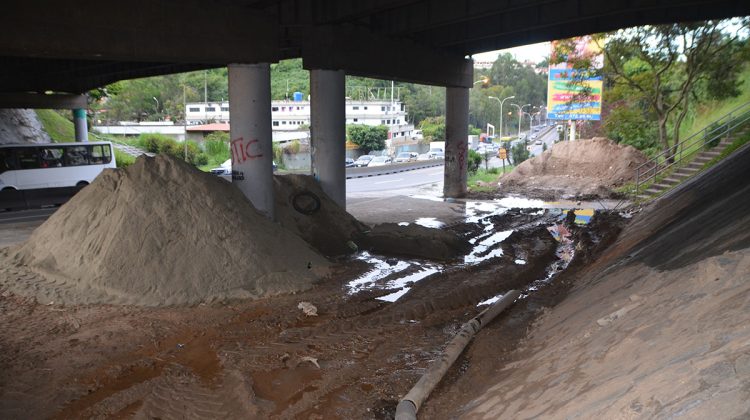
(291, 115)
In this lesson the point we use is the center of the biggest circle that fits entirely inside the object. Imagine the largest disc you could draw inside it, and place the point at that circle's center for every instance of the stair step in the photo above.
(661, 186)
(652, 190)
(675, 180)
(642, 196)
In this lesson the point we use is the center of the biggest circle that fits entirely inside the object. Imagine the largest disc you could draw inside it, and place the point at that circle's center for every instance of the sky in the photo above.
(532, 52)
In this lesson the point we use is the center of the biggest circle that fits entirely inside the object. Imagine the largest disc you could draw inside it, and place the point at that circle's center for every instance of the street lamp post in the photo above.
(501, 110)
(520, 115)
(157, 103)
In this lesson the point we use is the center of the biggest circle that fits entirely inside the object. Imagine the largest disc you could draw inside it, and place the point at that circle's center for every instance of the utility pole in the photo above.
(184, 121)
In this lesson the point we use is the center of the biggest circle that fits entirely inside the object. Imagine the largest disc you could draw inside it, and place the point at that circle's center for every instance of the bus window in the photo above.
(52, 157)
(76, 156)
(100, 154)
(28, 157)
(7, 160)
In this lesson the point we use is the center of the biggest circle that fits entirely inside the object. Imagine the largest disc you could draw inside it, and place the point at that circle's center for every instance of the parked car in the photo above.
(225, 170)
(380, 161)
(538, 142)
(439, 155)
(363, 160)
(349, 162)
(405, 157)
(425, 156)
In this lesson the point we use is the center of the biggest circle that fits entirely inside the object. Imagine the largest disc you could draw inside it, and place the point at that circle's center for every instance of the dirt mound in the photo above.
(582, 167)
(414, 241)
(303, 208)
(161, 233)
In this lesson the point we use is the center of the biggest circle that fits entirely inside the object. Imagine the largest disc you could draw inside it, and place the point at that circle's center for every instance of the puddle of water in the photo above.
(429, 222)
(382, 269)
(520, 262)
(427, 197)
(520, 202)
(478, 255)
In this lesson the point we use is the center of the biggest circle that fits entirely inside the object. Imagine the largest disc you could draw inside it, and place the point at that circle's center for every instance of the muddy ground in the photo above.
(266, 358)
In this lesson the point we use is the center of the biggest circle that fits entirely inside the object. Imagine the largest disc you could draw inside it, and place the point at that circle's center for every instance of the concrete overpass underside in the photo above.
(71, 48)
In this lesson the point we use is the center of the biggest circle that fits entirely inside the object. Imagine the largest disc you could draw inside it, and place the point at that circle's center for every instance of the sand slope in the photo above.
(161, 232)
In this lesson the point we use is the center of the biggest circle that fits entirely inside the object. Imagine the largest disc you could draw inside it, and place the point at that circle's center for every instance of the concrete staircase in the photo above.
(682, 173)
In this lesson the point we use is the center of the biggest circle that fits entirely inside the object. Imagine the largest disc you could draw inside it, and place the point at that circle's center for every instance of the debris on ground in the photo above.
(308, 308)
(585, 168)
(159, 232)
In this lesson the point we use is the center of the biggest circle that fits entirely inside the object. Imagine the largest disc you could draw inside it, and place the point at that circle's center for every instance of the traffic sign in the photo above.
(502, 154)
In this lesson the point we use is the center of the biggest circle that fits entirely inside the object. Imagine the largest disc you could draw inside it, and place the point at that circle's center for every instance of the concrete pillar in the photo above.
(250, 133)
(328, 129)
(456, 141)
(81, 127)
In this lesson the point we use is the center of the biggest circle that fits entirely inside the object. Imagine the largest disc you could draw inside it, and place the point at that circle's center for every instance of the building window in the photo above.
(382, 108)
(355, 108)
(210, 109)
(194, 109)
(225, 109)
(389, 122)
(283, 108)
(283, 123)
(356, 119)
(275, 123)
(298, 108)
(274, 108)
(382, 121)
(365, 107)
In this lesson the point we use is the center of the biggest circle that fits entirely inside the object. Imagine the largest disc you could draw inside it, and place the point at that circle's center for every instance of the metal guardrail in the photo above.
(391, 169)
(648, 171)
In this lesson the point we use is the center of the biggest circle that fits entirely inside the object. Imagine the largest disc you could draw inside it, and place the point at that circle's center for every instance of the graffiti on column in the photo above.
(461, 157)
(242, 151)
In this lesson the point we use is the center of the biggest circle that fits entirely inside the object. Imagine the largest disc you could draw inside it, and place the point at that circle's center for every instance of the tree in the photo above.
(669, 68)
(519, 153)
(368, 137)
(433, 128)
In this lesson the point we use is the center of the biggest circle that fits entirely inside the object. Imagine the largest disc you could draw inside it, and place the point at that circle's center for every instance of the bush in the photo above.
(123, 160)
(493, 171)
(217, 144)
(152, 142)
(157, 143)
(519, 153)
(475, 159)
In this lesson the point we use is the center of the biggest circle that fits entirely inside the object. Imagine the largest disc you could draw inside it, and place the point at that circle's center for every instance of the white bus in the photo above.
(32, 175)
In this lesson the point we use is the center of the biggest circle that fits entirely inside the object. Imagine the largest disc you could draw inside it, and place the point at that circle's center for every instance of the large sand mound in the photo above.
(579, 168)
(161, 233)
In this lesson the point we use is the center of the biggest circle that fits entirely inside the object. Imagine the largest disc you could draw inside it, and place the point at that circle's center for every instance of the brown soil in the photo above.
(263, 358)
(590, 168)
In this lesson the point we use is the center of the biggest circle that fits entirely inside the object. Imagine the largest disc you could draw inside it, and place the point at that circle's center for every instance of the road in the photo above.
(548, 139)
(401, 180)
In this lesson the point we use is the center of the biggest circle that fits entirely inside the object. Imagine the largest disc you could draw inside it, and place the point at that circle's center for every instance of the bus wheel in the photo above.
(81, 184)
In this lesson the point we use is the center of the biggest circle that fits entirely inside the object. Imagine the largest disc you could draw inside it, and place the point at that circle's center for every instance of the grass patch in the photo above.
(123, 159)
(59, 128)
(488, 176)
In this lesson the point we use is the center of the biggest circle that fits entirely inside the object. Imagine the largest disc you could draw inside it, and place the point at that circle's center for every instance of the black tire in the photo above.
(81, 184)
(305, 202)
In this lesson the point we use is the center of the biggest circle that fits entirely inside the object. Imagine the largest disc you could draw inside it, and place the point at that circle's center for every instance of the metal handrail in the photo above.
(717, 129)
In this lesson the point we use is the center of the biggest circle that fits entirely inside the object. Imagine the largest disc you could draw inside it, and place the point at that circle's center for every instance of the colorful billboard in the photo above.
(572, 95)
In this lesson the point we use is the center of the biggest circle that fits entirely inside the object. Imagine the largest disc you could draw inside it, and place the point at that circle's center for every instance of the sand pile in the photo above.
(160, 233)
(303, 208)
(582, 167)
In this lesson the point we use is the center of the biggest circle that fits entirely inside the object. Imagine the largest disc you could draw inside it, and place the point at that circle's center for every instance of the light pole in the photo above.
(520, 116)
(157, 103)
(501, 111)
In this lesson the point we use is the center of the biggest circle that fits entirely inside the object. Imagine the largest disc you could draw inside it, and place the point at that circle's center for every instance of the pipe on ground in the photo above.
(409, 405)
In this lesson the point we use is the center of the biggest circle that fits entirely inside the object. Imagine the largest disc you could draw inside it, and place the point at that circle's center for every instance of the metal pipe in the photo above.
(409, 405)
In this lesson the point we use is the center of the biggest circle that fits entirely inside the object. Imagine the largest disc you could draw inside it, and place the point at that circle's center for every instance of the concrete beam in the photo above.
(42, 101)
(362, 53)
(192, 31)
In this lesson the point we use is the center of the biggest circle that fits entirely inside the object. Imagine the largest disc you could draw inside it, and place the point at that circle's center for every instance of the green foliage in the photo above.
(159, 143)
(544, 147)
(217, 144)
(474, 131)
(629, 125)
(289, 73)
(475, 159)
(123, 160)
(736, 144)
(433, 128)
(519, 153)
(59, 128)
(367, 137)
(292, 148)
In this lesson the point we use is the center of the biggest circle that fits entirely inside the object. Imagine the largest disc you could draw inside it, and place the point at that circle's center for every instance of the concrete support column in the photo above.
(250, 133)
(80, 124)
(328, 129)
(456, 141)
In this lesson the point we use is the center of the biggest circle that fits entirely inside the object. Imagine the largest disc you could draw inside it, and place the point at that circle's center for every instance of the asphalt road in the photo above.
(396, 181)
(22, 216)
(548, 139)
